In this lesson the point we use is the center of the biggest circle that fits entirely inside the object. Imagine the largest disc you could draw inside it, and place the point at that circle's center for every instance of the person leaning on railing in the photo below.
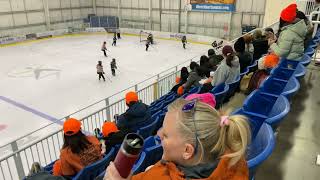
(78, 150)
(198, 143)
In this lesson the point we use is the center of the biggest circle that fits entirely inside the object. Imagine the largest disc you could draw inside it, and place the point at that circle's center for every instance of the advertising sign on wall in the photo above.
(213, 5)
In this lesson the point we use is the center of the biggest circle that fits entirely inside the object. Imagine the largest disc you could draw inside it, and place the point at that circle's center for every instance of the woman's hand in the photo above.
(113, 174)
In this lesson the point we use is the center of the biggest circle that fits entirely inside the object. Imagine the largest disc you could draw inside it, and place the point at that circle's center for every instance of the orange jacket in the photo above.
(169, 171)
(72, 163)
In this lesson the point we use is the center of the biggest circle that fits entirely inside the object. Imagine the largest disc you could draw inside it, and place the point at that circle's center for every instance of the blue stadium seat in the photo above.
(313, 43)
(49, 167)
(306, 60)
(161, 99)
(170, 99)
(104, 21)
(279, 110)
(282, 73)
(276, 86)
(244, 72)
(260, 148)
(94, 21)
(254, 66)
(256, 120)
(160, 121)
(95, 169)
(289, 64)
(149, 142)
(233, 86)
(151, 156)
(157, 108)
(194, 90)
(139, 165)
(300, 71)
(259, 102)
(147, 130)
(220, 91)
(309, 51)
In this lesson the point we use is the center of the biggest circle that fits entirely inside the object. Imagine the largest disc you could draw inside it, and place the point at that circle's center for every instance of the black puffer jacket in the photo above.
(136, 116)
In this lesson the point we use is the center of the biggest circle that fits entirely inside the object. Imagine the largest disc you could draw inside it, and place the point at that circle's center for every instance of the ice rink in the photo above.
(45, 80)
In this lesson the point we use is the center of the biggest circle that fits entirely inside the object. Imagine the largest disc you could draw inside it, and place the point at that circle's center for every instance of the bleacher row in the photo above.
(265, 108)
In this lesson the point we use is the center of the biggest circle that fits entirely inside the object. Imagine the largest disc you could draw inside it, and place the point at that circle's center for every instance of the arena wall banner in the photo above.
(213, 5)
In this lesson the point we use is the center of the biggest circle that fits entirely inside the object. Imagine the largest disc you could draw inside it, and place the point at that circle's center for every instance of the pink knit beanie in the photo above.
(207, 98)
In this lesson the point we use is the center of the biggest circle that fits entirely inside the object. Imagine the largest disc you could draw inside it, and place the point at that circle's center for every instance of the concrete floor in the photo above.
(298, 137)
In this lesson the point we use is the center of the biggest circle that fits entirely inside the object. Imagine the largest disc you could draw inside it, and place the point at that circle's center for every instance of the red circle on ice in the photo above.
(2, 127)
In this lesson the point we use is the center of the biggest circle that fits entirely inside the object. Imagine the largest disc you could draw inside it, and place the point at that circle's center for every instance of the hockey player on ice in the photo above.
(104, 48)
(184, 41)
(113, 66)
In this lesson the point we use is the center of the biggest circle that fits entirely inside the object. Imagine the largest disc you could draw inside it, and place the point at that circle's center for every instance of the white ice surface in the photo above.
(77, 85)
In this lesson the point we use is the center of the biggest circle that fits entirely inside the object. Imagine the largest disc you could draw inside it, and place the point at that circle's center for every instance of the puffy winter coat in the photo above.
(290, 43)
(169, 171)
(136, 116)
(99, 68)
(226, 74)
(193, 80)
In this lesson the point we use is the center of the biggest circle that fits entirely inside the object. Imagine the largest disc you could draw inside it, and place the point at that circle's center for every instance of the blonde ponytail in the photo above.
(234, 137)
(215, 139)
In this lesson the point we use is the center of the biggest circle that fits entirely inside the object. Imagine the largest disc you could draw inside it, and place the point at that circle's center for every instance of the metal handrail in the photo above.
(162, 82)
(54, 122)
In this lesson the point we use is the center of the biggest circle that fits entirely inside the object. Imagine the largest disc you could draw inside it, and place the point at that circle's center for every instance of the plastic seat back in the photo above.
(220, 92)
(254, 66)
(95, 169)
(147, 130)
(278, 112)
(157, 107)
(289, 64)
(282, 73)
(260, 148)
(259, 102)
(244, 72)
(139, 165)
(194, 90)
(306, 60)
(309, 51)
(233, 87)
(255, 120)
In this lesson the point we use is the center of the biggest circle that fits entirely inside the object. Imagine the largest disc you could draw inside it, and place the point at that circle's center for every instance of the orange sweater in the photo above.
(72, 163)
(169, 171)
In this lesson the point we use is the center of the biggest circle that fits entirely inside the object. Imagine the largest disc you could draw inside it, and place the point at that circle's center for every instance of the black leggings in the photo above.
(101, 75)
(104, 52)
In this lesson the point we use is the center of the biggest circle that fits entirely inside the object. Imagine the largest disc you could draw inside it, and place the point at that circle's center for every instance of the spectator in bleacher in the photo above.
(292, 32)
(308, 37)
(112, 136)
(229, 68)
(245, 58)
(268, 62)
(194, 77)
(214, 59)
(248, 38)
(227, 72)
(136, 116)
(184, 74)
(205, 66)
(198, 143)
(78, 150)
(260, 44)
(269, 34)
